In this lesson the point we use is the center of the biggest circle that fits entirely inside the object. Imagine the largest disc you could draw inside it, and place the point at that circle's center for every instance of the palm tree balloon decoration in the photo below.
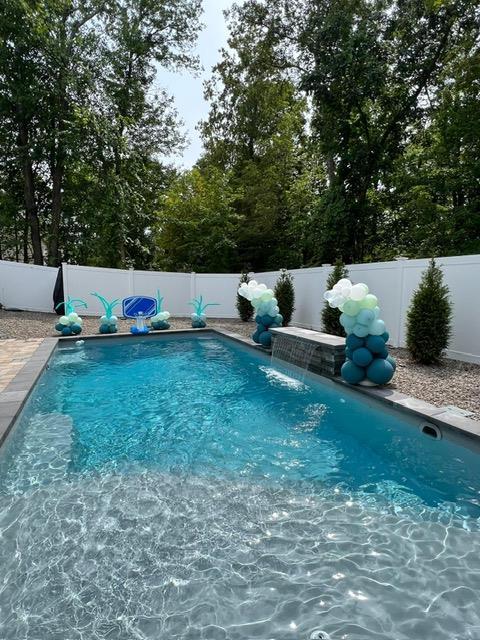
(160, 319)
(199, 318)
(108, 322)
(70, 323)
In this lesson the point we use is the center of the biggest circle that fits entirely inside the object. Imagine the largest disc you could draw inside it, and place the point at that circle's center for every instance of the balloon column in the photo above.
(70, 323)
(199, 319)
(108, 322)
(367, 362)
(160, 319)
(266, 307)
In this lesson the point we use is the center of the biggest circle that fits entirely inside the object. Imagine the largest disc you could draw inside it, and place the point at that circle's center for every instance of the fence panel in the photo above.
(26, 286)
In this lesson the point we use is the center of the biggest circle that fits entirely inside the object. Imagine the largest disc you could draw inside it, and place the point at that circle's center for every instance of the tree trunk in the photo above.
(31, 209)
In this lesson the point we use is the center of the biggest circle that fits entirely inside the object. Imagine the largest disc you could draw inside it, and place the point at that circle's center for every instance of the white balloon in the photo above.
(358, 291)
(64, 320)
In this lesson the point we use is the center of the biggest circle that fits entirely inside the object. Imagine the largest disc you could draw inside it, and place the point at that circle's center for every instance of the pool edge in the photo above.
(16, 393)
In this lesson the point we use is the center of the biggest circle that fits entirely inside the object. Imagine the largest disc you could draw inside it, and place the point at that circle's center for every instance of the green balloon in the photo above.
(351, 308)
(369, 302)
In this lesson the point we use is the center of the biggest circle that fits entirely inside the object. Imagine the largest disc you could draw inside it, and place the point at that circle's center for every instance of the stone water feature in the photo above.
(314, 351)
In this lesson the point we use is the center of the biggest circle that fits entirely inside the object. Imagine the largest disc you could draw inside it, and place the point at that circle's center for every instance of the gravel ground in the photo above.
(452, 383)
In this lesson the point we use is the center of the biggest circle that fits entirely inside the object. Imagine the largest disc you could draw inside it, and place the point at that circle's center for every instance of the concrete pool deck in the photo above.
(24, 361)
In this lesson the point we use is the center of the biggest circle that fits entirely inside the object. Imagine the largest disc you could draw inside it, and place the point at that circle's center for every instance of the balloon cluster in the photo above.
(160, 319)
(267, 312)
(366, 351)
(70, 323)
(199, 318)
(108, 322)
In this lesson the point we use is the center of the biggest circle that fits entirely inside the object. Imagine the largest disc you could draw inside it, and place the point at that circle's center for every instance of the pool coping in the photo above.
(16, 393)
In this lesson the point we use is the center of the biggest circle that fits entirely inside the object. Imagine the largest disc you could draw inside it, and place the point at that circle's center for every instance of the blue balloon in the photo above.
(76, 329)
(362, 357)
(112, 328)
(255, 336)
(348, 353)
(279, 319)
(360, 330)
(265, 338)
(354, 342)
(66, 331)
(347, 322)
(380, 371)
(386, 336)
(365, 316)
(392, 361)
(352, 373)
(376, 344)
(59, 326)
(105, 328)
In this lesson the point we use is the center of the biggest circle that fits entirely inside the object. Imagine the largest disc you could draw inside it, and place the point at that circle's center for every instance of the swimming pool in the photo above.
(185, 488)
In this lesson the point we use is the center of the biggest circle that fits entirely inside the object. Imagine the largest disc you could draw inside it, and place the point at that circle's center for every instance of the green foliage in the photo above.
(429, 318)
(244, 306)
(197, 224)
(331, 317)
(285, 295)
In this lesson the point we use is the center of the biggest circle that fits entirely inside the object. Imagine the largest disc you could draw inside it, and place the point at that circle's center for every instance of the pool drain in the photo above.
(431, 430)
(319, 635)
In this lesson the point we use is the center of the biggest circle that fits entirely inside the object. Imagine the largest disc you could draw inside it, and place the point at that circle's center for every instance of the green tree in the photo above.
(429, 318)
(285, 295)
(244, 306)
(256, 129)
(331, 317)
(197, 223)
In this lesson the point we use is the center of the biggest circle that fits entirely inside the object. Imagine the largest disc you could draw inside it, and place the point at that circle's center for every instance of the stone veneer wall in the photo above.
(328, 354)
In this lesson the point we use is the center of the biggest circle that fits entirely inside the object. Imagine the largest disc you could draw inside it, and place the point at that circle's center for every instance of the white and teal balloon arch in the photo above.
(367, 359)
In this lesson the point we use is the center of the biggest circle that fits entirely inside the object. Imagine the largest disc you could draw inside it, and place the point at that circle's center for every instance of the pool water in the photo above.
(186, 488)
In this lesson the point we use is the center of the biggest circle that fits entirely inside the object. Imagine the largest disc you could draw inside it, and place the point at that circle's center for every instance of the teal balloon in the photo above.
(279, 319)
(383, 353)
(76, 329)
(386, 336)
(377, 327)
(380, 371)
(352, 373)
(256, 336)
(348, 352)
(66, 331)
(362, 357)
(347, 322)
(392, 361)
(112, 328)
(59, 326)
(104, 328)
(360, 330)
(265, 338)
(365, 316)
(266, 320)
(375, 344)
(354, 342)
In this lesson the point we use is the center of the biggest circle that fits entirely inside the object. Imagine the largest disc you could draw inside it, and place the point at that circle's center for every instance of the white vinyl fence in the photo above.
(28, 287)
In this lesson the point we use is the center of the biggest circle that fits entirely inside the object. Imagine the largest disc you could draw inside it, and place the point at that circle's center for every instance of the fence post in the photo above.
(131, 281)
(193, 285)
(401, 307)
(66, 288)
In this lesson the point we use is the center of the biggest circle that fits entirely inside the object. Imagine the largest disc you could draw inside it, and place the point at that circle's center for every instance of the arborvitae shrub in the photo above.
(330, 316)
(244, 306)
(429, 318)
(285, 295)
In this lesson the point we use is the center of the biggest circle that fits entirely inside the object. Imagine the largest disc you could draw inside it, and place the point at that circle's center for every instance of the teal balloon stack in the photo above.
(367, 359)
(265, 304)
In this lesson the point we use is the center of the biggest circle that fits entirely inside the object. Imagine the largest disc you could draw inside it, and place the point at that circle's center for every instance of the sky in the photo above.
(187, 89)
